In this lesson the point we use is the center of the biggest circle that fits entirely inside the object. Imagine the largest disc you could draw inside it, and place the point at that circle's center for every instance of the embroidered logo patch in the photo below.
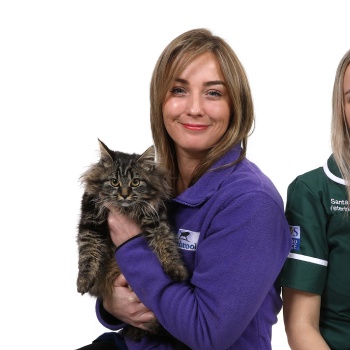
(295, 234)
(187, 240)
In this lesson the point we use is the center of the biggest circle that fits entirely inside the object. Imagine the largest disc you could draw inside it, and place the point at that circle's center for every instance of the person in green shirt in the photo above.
(316, 277)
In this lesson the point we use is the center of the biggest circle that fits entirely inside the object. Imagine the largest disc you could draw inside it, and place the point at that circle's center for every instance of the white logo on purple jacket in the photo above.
(187, 240)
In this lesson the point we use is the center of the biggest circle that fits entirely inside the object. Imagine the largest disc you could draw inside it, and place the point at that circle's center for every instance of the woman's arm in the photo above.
(121, 227)
(301, 312)
(237, 263)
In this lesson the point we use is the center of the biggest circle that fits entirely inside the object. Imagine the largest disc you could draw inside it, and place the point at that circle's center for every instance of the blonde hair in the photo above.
(340, 139)
(175, 57)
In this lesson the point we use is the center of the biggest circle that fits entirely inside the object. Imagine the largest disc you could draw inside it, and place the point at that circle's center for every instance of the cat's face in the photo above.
(126, 184)
(126, 181)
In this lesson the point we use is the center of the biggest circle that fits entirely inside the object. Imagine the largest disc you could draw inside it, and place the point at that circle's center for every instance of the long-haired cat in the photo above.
(137, 186)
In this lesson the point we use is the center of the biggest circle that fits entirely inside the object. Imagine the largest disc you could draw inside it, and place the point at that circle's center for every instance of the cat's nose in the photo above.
(124, 196)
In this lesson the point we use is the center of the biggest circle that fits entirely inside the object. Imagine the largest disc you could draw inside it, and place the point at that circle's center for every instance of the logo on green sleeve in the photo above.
(295, 234)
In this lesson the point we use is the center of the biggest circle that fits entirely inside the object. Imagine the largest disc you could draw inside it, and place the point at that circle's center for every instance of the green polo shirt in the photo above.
(319, 262)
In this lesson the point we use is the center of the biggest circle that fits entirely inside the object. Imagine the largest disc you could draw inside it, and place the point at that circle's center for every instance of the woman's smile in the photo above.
(195, 127)
(196, 111)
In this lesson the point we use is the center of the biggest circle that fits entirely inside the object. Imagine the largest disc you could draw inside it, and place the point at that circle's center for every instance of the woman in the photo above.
(201, 115)
(316, 279)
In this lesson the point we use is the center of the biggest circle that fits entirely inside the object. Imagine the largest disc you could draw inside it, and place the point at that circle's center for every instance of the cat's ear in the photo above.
(149, 154)
(106, 153)
(148, 157)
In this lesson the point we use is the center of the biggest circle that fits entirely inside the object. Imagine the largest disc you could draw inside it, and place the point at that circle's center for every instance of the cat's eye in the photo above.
(114, 182)
(135, 182)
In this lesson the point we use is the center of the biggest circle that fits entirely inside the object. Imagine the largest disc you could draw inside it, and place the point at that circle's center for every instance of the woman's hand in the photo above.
(121, 227)
(126, 306)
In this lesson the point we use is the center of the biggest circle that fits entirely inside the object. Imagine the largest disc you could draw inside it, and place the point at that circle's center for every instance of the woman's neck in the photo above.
(186, 168)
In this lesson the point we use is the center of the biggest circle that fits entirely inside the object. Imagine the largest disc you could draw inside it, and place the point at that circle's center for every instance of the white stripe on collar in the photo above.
(334, 178)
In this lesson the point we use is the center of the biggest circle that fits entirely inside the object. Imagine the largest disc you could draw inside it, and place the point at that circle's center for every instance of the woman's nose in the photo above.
(195, 106)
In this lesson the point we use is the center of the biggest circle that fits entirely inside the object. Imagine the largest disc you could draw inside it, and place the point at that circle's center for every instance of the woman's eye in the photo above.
(177, 91)
(214, 93)
(114, 182)
(135, 182)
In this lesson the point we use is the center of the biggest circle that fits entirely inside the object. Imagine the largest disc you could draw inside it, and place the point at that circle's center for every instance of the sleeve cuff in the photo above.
(106, 319)
(303, 276)
(132, 238)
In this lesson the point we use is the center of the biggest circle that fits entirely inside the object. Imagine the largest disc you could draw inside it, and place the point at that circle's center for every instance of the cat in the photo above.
(137, 186)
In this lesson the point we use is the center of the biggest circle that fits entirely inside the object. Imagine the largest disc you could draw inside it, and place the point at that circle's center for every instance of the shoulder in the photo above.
(315, 180)
(247, 179)
(311, 178)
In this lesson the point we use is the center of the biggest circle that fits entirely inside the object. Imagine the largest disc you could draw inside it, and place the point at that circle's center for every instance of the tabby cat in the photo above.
(137, 187)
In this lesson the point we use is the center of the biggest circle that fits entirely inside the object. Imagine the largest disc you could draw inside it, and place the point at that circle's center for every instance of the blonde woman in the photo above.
(316, 277)
(227, 215)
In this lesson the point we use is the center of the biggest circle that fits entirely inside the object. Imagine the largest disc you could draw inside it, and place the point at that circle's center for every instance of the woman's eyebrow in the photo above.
(347, 92)
(182, 81)
(207, 83)
(214, 82)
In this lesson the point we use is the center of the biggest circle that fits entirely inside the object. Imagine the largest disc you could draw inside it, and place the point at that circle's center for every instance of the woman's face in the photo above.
(196, 110)
(347, 94)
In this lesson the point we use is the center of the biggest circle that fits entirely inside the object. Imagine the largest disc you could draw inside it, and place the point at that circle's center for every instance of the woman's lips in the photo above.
(195, 126)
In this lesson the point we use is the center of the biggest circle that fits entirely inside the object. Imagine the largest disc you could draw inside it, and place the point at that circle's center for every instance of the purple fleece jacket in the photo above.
(234, 239)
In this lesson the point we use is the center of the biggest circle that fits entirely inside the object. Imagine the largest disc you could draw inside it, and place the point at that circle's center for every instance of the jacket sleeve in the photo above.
(236, 266)
(106, 319)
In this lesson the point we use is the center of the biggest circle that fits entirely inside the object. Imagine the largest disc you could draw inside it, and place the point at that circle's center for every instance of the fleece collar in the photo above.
(209, 183)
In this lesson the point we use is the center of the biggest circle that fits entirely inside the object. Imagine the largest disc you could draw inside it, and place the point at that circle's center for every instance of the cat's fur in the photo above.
(135, 185)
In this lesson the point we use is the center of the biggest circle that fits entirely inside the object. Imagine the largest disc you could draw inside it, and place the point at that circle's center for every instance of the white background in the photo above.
(74, 71)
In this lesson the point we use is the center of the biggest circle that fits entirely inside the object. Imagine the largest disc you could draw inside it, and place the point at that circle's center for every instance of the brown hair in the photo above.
(175, 57)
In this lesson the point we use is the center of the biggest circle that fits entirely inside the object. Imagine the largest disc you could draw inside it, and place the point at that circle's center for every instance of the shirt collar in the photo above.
(332, 171)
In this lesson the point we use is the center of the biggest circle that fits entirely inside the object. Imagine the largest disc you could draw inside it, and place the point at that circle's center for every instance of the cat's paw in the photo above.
(178, 273)
(84, 285)
(154, 327)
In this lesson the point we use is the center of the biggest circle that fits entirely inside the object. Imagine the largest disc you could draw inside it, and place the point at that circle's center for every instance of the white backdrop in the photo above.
(72, 71)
